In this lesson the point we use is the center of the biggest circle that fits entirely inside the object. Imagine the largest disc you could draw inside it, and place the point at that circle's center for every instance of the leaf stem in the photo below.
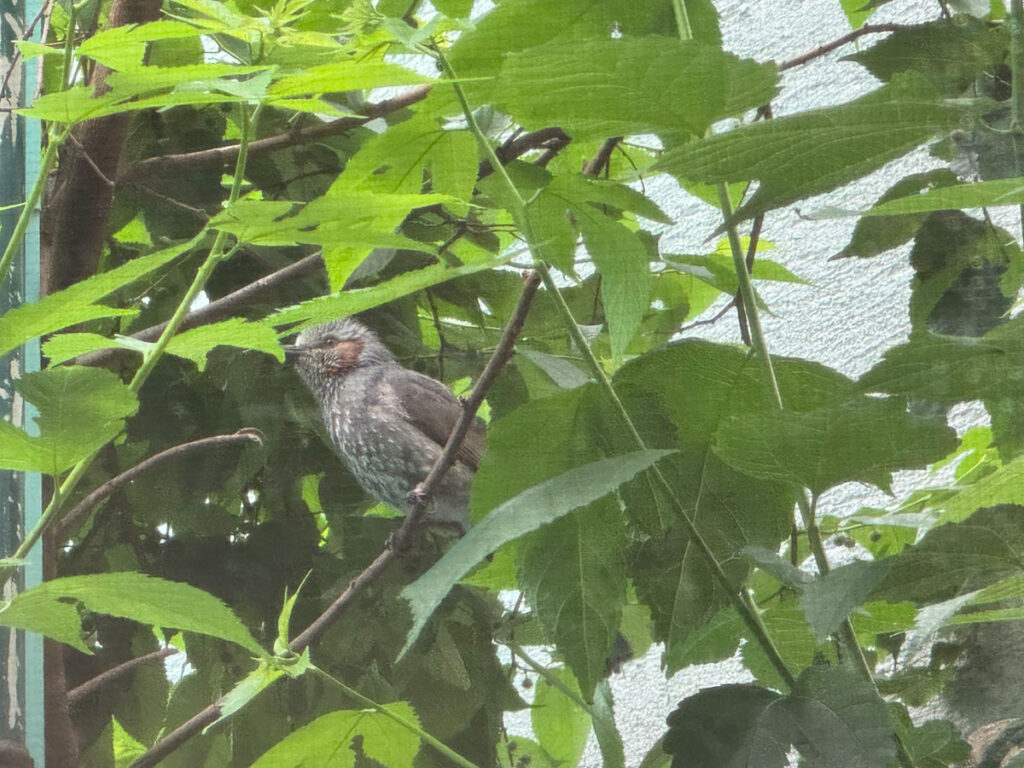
(748, 299)
(436, 743)
(550, 678)
(29, 208)
(518, 212)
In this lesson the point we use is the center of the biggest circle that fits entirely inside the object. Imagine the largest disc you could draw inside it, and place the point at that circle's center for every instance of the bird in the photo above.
(387, 423)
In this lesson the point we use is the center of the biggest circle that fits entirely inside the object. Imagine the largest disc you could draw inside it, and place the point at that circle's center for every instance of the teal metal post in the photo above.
(21, 654)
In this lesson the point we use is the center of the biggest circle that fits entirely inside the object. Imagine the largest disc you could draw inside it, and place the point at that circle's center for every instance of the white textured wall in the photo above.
(852, 311)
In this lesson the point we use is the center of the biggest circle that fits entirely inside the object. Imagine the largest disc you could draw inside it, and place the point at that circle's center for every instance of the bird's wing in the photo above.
(434, 410)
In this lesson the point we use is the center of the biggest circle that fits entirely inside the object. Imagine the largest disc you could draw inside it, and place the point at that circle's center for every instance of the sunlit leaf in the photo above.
(135, 596)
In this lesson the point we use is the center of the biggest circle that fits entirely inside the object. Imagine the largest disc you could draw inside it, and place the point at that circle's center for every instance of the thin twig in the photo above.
(16, 56)
(181, 162)
(75, 695)
(711, 320)
(839, 42)
(225, 306)
(69, 524)
(422, 494)
(599, 162)
(90, 162)
(198, 213)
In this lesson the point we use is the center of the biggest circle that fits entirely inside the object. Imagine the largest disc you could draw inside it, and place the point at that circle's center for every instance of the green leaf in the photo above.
(453, 168)
(245, 690)
(622, 259)
(526, 512)
(852, 9)
(728, 726)
(678, 397)
(30, 49)
(197, 343)
(77, 304)
(716, 640)
(123, 47)
(873, 235)
(609, 740)
(454, 8)
(561, 371)
(135, 596)
(53, 619)
(933, 744)
(80, 409)
(327, 742)
(346, 74)
(801, 155)
(948, 53)
(957, 558)
(828, 599)
(863, 440)
(560, 724)
(66, 346)
(834, 719)
(839, 721)
(194, 78)
(631, 86)
(948, 370)
(794, 639)
(574, 577)
(980, 194)
(326, 308)
(1003, 486)
(916, 686)
(126, 748)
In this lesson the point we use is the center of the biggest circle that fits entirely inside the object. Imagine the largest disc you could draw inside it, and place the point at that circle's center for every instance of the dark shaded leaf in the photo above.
(862, 440)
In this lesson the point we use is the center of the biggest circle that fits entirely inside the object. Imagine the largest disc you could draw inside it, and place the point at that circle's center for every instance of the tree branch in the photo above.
(600, 161)
(218, 309)
(75, 695)
(180, 163)
(423, 494)
(839, 42)
(226, 306)
(73, 519)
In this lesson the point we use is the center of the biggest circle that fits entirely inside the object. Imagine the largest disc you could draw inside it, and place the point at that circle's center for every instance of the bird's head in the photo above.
(334, 350)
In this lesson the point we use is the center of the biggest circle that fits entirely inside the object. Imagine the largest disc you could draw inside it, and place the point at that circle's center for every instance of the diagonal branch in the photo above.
(185, 161)
(839, 42)
(75, 695)
(393, 549)
(69, 524)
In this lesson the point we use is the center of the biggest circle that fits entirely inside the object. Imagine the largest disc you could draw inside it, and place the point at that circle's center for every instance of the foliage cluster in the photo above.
(637, 485)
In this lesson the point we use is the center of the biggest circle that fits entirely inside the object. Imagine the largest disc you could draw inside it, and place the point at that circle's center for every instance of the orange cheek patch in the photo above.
(344, 356)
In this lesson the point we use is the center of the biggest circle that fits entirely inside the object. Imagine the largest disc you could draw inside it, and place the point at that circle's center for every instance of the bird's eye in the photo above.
(328, 341)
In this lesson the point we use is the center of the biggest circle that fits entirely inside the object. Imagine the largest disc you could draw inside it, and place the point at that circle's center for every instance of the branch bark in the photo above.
(75, 695)
(839, 42)
(73, 519)
(74, 222)
(182, 163)
(423, 493)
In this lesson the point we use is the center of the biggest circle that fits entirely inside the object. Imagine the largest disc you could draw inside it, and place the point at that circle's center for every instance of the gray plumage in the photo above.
(387, 423)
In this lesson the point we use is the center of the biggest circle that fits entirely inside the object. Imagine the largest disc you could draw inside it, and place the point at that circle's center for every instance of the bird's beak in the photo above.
(292, 352)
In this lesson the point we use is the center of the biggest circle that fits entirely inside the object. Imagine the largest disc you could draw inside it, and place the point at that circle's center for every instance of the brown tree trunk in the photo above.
(74, 220)
(74, 224)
